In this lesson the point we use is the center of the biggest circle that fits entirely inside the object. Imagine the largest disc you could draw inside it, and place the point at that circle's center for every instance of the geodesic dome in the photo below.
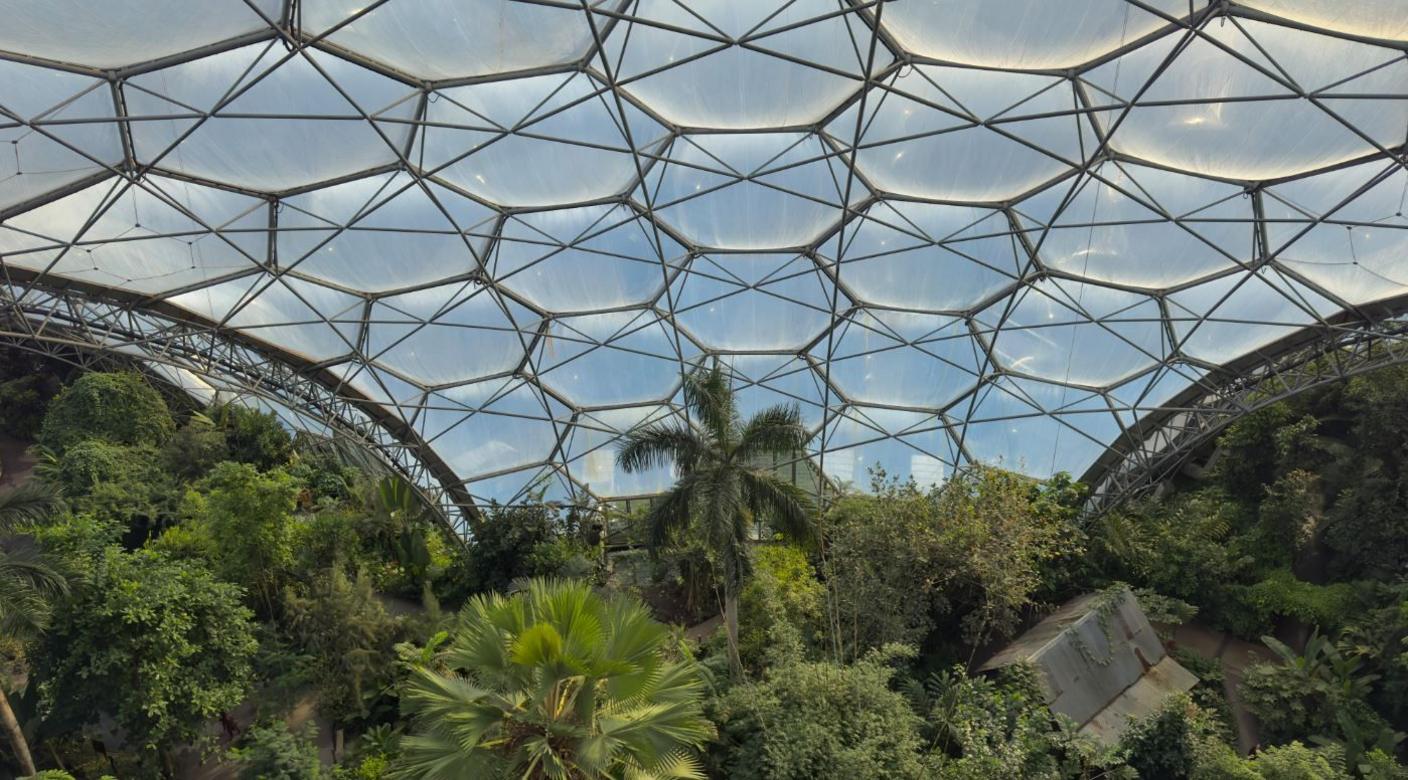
(492, 234)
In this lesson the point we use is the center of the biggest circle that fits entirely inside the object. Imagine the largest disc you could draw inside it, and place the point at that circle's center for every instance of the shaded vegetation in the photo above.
(173, 569)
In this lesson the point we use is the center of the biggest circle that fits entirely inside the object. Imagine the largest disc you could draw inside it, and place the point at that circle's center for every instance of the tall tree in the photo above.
(725, 479)
(555, 682)
(159, 645)
(29, 584)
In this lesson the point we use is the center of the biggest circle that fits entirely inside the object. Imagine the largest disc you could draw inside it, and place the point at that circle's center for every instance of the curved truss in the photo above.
(1158, 447)
(84, 330)
(488, 237)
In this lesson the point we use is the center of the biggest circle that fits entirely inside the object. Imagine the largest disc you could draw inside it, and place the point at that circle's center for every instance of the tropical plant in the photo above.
(510, 543)
(343, 626)
(161, 646)
(1319, 692)
(554, 682)
(784, 588)
(272, 752)
(819, 721)
(119, 407)
(253, 436)
(725, 480)
(30, 581)
(248, 515)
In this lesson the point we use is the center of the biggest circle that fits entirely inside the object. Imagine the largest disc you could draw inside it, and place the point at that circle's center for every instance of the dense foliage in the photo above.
(121, 408)
(167, 580)
(554, 681)
(161, 646)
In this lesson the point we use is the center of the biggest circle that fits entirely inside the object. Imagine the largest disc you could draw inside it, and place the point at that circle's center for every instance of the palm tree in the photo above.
(29, 583)
(724, 481)
(554, 682)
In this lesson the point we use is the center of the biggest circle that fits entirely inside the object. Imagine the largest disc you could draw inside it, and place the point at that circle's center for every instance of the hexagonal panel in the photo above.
(928, 256)
(592, 257)
(754, 302)
(1025, 34)
(423, 334)
(535, 141)
(56, 140)
(383, 232)
(1075, 332)
(264, 118)
(151, 237)
(957, 134)
(1229, 105)
(109, 35)
(1136, 226)
(610, 359)
(446, 39)
(685, 62)
(752, 192)
(903, 358)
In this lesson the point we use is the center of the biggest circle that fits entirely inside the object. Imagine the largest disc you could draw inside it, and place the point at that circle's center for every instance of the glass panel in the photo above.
(449, 334)
(593, 257)
(754, 302)
(443, 39)
(58, 143)
(292, 120)
(1224, 109)
(1073, 332)
(928, 256)
(111, 34)
(159, 235)
(1141, 227)
(958, 134)
(750, 192)
(903, 358)
(382, 232)
(1025, 33)
(795, 77)
(537, 141)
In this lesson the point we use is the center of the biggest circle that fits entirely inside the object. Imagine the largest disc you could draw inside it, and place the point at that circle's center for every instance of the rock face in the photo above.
(1100, 663)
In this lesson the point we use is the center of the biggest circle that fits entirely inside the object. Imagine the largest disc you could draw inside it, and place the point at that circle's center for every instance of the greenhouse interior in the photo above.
(761, 389)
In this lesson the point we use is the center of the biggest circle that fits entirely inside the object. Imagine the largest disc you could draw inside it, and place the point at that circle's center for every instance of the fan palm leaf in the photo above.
(554, 682)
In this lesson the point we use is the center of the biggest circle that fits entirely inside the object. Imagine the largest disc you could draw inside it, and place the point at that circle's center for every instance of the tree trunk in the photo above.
(735, 662)
(16, 735)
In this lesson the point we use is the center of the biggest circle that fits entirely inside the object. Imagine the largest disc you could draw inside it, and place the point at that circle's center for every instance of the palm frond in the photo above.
(670, 513)
(710, 398)
(29, 584)
(775, 431)
(32, 502)
(787, 507)
(436, 757)
(660, 445)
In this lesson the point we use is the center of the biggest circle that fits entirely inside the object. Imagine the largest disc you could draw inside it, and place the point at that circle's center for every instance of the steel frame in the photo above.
(46, 307)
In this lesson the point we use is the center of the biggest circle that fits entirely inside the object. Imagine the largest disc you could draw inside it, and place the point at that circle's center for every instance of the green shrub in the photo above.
(121, 483)
(1281, 594)
(195, 448)
(253, 436)
(160, 646)
(1167, 743)
(119, 407)
(1295, 761)
(783, 587)
(272, 752)
(806, 721)
(248, 515)
(512, 543)
(22, 404)
(999, 726)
